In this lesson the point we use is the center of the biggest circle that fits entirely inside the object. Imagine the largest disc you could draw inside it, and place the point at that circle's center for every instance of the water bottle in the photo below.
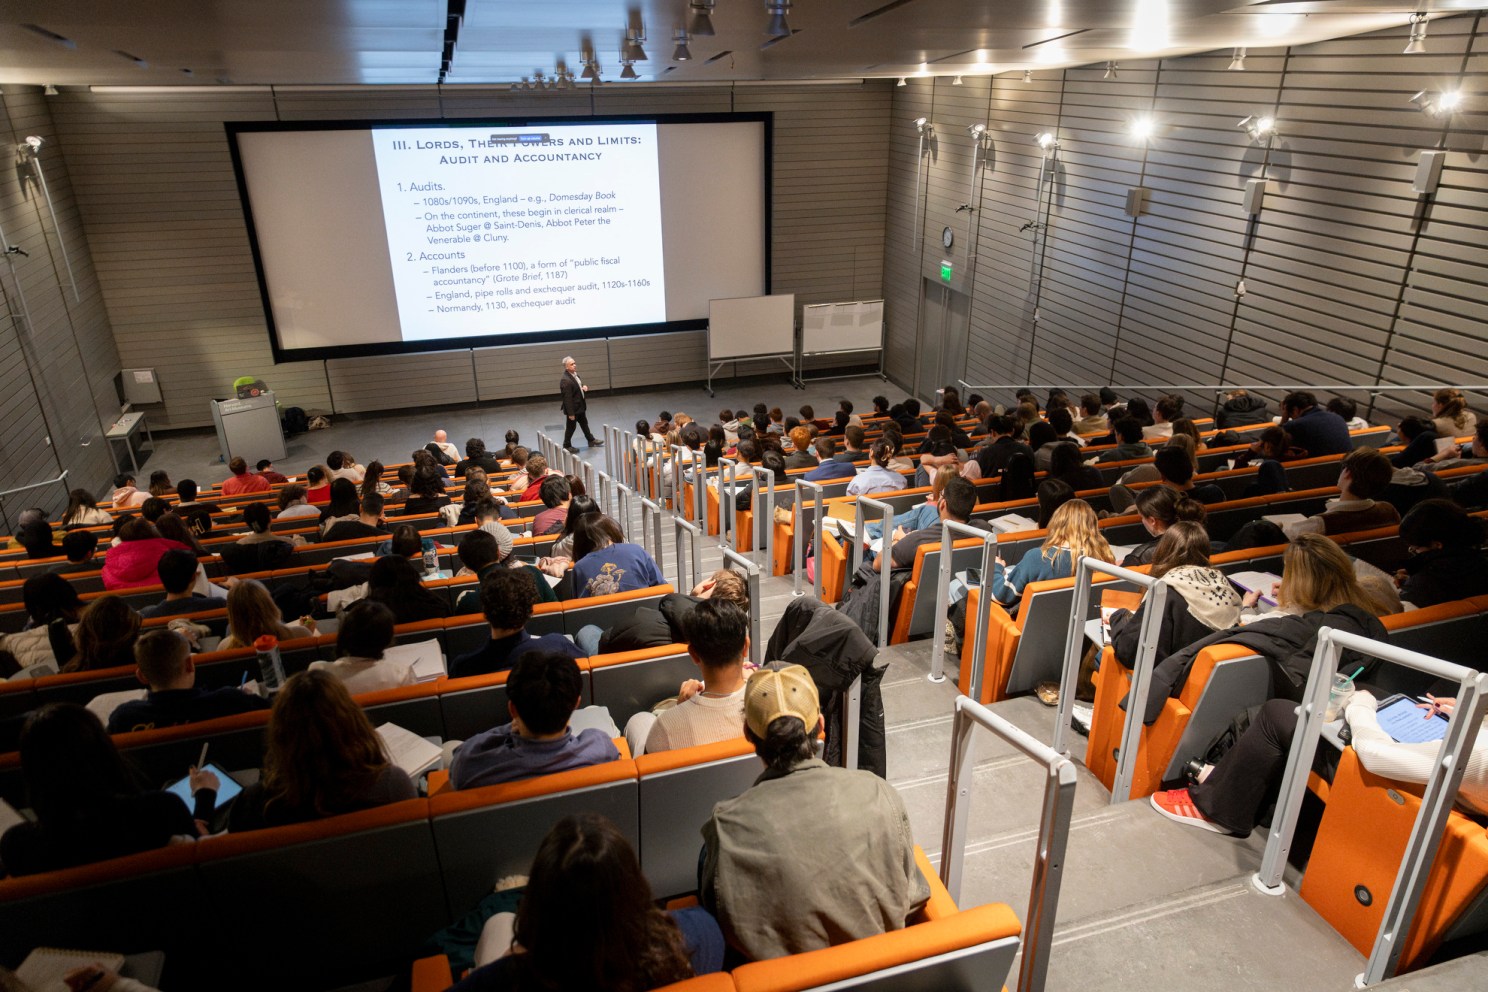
(431, 560)
(270, 664)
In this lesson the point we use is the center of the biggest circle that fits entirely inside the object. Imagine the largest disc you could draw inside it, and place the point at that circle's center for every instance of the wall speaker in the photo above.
(1136, 201)
(1255, 193)
(1428, 172)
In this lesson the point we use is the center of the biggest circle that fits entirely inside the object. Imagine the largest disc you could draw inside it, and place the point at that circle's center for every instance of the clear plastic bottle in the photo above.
(270, 664)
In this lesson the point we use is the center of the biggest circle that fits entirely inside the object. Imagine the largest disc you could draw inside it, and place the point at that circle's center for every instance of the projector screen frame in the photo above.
(282, 354)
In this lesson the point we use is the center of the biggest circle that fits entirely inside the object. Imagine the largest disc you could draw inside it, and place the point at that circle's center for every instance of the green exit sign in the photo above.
(945, 271)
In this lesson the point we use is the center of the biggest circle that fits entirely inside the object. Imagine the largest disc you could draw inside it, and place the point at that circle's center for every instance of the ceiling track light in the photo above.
(977, 131)
(1142, 128)
(1237, 60)
(956, 81)
(924, 127)
(632, 48)
(700, 19)
(1417, 43)
(1258, 126)
(1436, 104)
(777, 27)
(1111, 68)
(627, 69)
(1046, 141)
(589, 70)
(1027, 75)
(681, 53)
(902, 82)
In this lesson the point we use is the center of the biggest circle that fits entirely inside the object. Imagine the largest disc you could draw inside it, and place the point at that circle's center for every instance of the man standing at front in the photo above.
(575, 405)
(810, 855)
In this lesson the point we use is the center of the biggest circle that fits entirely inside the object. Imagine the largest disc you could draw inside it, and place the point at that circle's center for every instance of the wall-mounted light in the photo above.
(902, 82)
(923, 126)
(1142, 128)
(700, 19)
(1111, 68)
(1417, 43)
(977, 131)
(1046, 141)
(627, 69)
(956, 81)
(591, 69)
(1237, 60)
(1258, 126)
(777, 26)
(1438, 104)
(632, 48)
(681, 53)
(1027, 75)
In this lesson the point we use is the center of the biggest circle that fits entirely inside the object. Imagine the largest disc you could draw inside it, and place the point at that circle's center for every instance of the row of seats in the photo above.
(382, 880)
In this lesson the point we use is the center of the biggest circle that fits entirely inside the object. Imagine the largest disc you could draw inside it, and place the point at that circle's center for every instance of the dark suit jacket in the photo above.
(573, 397)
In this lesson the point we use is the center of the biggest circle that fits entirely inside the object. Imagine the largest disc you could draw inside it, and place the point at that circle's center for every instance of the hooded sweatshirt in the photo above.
(1242, 411)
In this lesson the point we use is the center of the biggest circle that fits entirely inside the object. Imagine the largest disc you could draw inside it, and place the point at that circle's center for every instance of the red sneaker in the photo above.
(1178, 805)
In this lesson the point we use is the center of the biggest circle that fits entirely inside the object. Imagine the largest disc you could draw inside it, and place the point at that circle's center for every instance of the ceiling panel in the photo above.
(370, 41)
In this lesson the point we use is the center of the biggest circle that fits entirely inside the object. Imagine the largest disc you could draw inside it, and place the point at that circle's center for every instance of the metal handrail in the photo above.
(798, 537)
(943, 605)
(678, 478)
(61, 479)
(728, 516)
(651, 514)
(752, 581)
(1436, 802)
(625, 503)
(886, 555)
(694, 536)
(764, 517)
(612, 441)
(1054, 824)
(604, 492)
(1142, 666)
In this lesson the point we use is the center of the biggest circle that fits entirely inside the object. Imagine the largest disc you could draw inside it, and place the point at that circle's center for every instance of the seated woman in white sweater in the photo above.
(366, 632)
(1383, 755)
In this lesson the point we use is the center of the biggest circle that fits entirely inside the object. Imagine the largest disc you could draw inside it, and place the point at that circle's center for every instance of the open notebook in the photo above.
(44, 968)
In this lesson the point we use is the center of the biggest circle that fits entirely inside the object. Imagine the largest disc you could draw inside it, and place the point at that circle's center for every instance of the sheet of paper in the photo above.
(424, 657)
(1010, 522)
(44, 968)
(408, 750)
(1445, 444)
(9, 816)
(1282, 519)
(103, 706)
(593, 718)
(1255, 582)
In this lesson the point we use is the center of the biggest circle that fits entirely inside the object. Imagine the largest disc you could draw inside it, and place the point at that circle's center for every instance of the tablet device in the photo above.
(226, 791)
(1403, 719)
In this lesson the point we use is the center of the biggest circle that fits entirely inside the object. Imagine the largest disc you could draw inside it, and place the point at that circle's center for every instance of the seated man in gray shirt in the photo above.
(543, 691)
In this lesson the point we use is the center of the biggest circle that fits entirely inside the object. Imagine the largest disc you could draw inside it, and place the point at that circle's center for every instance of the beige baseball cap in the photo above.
(772, 693)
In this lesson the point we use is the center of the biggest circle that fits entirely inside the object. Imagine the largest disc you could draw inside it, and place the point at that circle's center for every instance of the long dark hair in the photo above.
(322, 752)
(371, 478)
(587, 920)
(594, 532)
(1017, 479)
(344, 502)
(395, 583)
(71, 767)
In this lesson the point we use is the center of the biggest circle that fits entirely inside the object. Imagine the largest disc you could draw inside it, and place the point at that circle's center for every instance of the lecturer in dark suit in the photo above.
(575, 406)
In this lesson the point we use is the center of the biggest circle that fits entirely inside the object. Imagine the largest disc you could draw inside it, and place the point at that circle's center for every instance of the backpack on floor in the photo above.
(295, 421)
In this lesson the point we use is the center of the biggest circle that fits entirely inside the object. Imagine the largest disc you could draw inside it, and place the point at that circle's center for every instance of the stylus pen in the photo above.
(201, 762)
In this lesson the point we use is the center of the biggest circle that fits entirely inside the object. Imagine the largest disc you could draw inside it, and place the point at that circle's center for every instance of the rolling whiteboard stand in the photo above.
(752, 327)
(249, 428)
(840, 329)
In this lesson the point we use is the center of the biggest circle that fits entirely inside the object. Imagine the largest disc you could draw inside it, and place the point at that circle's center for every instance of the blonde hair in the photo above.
(1316, 574)
(943, 475)
(252, 612)
(1075, 527)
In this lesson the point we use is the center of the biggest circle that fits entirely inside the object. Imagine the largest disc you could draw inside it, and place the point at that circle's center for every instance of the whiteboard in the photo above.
(752, 327)
(827, 327)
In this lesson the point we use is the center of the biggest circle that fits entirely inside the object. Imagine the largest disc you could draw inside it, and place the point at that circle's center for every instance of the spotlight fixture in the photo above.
(49, 90)
(681, 53)
(1111, 68)
(591, 69)
(956, 81)
(1142, 128)
(632, 48)
(923, 126)
(1417, 43)
(627, 70)
(1027, 75)
(1046, 141)
(1258, 126)
(777, 26)
(902, 82)
(34, 142)
(539, 81)
(1237, 60)
(521, 84)
(1437, 104)
(977, 131)
(700, 19)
